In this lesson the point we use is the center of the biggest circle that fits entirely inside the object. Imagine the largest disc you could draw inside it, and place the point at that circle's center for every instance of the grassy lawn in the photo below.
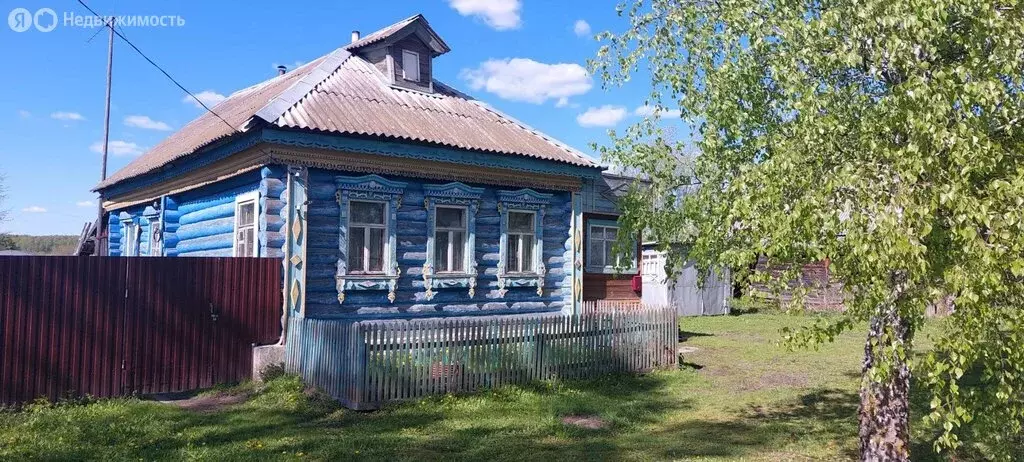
(737, 397)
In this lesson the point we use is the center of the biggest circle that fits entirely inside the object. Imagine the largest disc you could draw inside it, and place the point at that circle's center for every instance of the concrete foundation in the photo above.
(263, 356)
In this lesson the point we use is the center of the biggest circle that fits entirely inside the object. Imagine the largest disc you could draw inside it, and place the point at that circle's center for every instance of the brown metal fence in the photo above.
(366, 364)
(110, 326)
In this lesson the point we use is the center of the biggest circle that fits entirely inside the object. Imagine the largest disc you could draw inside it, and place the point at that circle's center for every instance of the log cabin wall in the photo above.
(411, 298)
(201, 222)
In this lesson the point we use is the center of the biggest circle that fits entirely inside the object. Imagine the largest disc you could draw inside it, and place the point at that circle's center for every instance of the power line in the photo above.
(157, 66)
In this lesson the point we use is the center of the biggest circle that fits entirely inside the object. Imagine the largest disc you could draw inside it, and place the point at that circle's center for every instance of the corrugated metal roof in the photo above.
(383, 33)
(344, 94)
(236, 110)
(357, 100)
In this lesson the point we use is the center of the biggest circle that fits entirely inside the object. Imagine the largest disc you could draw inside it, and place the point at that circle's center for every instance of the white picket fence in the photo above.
(366, 364)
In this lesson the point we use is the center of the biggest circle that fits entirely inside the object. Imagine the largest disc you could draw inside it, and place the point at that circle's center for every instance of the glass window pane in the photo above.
(367, 212)
(519, 222)
(609, 256)
(441, 251)
(512, 254)
(451, 218)
(355, 249)
(249, 237)
(596, 232)
(411, 66)
(376, 250)
(527, 264)
(458, 251)
(246, 213)
(611, 233)
(595, 255)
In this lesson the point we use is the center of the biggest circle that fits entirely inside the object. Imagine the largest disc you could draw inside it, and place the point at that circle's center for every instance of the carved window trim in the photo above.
(451, 195)
(522, 200)
(370, 188)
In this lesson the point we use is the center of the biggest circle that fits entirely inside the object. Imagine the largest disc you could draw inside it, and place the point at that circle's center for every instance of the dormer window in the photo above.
(410, 66)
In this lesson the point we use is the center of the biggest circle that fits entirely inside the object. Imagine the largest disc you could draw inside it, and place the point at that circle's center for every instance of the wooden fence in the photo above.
(365, 364)
(111, 326)
(603, 306)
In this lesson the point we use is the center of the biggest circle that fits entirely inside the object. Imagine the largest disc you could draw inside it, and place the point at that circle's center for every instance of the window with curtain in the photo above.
(367, 244)
(521, 241)
(450, 240)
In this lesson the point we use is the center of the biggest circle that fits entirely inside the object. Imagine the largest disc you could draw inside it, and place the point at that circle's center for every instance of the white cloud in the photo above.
(644, 111)
(24, 114)
(499, 14)
(85, 204)
(118, 148)
(141, 121)
(208, 97)
(66, 116)
(604, 116)
(523, 79)
(34, 209)
(581, 28)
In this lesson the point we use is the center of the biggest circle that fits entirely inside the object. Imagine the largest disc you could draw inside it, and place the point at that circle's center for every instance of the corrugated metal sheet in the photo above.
(236, 110)
(382, 33)
(355, 98)
(110, 326)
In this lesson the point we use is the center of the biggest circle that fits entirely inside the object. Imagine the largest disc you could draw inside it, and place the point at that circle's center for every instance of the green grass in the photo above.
(737, 397)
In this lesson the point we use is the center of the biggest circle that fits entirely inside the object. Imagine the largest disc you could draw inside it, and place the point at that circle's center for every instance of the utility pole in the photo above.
(106, 133)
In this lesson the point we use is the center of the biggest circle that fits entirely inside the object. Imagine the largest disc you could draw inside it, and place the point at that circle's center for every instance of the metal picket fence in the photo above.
(366, 364)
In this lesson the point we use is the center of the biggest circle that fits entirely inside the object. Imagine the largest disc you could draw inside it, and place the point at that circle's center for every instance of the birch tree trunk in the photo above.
(885, 406)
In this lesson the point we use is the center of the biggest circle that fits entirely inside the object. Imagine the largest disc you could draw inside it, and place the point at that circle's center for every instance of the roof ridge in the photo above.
(378, 34)
(288, 98)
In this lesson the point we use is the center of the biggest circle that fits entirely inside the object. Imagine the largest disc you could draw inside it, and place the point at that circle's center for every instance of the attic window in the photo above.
(410, 66)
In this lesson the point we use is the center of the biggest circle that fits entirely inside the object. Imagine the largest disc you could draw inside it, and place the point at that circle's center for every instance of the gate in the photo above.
(111, 326)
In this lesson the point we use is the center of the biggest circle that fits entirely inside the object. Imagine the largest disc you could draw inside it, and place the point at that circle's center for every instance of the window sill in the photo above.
(521, 280)
(451, 280)
(513, 280)
(366, 281)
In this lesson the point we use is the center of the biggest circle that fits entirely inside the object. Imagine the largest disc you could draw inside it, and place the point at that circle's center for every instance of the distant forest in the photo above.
(40, 245)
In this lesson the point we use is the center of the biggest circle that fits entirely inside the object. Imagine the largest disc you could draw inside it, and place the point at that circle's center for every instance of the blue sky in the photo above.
(522, 56)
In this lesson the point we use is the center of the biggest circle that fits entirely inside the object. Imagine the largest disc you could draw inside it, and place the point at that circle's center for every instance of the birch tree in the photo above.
(885, 136)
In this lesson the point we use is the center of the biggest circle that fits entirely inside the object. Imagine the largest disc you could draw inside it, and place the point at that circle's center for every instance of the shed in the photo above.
(685, 292)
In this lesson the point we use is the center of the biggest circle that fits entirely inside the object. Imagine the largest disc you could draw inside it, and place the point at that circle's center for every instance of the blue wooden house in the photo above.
(384, 192)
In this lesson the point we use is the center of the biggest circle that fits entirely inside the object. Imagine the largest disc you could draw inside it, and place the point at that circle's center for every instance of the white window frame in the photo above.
(415, 75)
(130, 239)
(533, 246)
(241, 200)
(366, 238)
(450, 252)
